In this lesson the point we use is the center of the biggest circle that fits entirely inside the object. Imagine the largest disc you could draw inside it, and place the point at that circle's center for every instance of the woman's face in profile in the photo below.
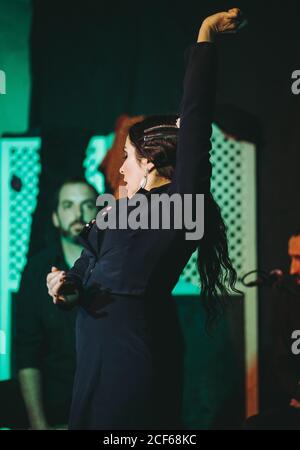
(132, 169)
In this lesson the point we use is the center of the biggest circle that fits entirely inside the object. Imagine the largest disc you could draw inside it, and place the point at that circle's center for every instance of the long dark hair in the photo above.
(155, 138)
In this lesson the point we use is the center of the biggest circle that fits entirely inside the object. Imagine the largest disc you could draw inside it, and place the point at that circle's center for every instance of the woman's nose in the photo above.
(121, 170)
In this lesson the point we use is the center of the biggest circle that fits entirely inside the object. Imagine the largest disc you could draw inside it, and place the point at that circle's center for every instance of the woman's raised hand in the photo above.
(221, 23)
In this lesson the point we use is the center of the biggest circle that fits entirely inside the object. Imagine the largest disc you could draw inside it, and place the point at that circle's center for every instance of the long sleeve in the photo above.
(89, 238)
(76, 274)
(83, 266)
(193, 168)
(75, 277)
(94, 296)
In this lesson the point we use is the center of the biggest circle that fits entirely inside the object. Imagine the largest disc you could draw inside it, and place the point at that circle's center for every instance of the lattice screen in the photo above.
(23, 171)
(233, 188)
(20, 169)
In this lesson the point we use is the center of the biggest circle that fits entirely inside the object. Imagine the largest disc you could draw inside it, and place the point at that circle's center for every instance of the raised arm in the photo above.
(193, 168)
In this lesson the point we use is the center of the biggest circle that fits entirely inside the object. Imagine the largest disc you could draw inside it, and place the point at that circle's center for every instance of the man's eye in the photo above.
(89, 205)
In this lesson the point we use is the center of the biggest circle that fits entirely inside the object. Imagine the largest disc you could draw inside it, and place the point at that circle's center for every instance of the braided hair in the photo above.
(155, 138)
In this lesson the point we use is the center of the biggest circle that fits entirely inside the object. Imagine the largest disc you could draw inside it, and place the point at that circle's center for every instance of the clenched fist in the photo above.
(59, 289)
(221, 23)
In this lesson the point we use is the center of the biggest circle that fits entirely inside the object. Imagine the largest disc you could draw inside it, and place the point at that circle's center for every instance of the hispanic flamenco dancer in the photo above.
(128, 342)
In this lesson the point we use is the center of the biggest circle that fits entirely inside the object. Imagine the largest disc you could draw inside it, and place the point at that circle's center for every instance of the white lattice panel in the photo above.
(20, 168)
(20, 178)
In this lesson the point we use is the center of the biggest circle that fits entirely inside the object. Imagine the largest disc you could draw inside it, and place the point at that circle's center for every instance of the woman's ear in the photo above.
(150, 166)
(145, 164)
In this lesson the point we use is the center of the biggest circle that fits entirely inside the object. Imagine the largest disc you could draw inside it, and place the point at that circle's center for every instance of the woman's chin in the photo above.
(130, 191)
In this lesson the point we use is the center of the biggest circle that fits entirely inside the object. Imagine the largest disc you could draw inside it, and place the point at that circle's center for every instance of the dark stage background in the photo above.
(94, 60)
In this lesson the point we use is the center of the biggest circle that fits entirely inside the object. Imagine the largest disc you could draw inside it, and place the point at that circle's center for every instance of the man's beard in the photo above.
(69, 235)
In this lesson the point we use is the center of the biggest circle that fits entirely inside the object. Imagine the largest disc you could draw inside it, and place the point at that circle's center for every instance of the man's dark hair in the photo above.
(71, 180)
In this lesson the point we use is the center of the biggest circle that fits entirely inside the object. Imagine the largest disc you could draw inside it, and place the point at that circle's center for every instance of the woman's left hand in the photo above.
(221, 23)
(226, 22)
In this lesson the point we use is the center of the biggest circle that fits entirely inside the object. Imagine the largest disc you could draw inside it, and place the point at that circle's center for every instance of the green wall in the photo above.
(15, 21)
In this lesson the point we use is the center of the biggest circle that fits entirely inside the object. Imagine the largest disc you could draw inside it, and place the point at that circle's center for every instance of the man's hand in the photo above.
(58, 287)
(221, 23)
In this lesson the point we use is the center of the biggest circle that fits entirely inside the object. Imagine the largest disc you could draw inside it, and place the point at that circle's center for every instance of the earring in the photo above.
(145, 179)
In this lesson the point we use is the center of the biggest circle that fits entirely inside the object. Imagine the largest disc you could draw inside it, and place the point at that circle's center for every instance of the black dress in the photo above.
(129, 346)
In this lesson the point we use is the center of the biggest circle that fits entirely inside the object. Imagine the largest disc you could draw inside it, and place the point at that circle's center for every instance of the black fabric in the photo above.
(45, 335)
(129, 367)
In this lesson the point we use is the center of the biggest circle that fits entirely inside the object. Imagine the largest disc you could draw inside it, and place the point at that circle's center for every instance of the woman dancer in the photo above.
(129, 348)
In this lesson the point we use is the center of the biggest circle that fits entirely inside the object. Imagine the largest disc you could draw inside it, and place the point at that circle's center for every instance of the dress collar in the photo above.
(155, 190)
